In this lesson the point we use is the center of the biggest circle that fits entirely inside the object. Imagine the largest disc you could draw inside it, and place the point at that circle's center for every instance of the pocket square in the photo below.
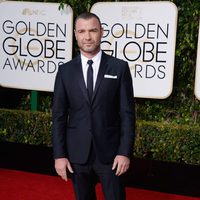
(110, 76)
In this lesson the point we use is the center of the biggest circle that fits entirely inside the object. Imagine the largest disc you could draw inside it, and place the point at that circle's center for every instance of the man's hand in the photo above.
(121, 163)
(61, 166)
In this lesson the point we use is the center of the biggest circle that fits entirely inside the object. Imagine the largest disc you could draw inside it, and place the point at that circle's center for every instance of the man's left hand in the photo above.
(121, 164)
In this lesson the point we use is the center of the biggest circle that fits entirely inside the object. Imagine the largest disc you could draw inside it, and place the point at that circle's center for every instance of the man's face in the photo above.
(88, 35)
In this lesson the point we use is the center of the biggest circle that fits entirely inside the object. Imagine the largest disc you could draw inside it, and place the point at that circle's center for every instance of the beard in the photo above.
(90, 48)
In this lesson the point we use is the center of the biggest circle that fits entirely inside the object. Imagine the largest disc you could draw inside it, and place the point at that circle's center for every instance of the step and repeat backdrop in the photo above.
(144, 34)
(37, 37)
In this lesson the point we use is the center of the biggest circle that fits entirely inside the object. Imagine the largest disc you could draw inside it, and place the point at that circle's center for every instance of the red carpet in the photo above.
(18, 185)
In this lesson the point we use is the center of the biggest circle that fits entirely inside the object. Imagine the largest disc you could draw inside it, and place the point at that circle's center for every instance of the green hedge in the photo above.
(155, 140)
(168, 142)
(25, 127)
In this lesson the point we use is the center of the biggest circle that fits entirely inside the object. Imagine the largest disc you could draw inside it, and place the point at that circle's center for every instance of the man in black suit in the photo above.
(93, 116)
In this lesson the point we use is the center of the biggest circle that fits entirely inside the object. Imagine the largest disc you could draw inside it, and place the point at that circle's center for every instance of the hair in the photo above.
(86, 16)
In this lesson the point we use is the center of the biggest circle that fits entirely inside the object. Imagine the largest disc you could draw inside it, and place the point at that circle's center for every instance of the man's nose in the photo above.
(87, 36)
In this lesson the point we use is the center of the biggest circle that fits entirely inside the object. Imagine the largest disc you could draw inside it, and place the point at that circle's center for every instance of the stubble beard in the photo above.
(89, 50)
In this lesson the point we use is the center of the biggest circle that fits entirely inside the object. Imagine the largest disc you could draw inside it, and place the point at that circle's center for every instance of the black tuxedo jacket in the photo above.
(108, 121)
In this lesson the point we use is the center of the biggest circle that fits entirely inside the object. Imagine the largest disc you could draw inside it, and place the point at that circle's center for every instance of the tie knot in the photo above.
(90, 62)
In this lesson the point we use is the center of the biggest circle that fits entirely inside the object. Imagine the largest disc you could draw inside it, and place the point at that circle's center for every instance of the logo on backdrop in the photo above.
(33, 47)
(143, 34)
(35, 40)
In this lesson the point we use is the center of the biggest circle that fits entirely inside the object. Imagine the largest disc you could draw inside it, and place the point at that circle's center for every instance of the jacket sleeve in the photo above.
(59, 116)
(127, 113)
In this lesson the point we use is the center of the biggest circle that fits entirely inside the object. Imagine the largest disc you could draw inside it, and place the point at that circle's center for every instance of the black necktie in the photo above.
(90, 79)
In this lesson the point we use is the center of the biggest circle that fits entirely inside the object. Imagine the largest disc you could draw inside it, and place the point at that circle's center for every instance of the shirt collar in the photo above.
(96, 59)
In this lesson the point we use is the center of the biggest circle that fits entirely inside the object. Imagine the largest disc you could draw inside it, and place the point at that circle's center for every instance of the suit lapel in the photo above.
(81, 78)
(102, 68)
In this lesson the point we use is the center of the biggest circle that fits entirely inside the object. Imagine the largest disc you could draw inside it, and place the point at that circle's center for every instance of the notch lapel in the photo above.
(102, 69)
(81, 78)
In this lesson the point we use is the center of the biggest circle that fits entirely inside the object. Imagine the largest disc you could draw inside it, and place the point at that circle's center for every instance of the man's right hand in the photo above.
(61, 166)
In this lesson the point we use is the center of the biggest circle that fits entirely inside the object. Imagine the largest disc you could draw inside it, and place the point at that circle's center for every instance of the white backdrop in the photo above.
(144, 34)
(35, 39)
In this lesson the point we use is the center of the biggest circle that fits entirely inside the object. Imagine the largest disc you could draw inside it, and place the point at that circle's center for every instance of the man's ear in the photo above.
(102, 32)
(75, 34)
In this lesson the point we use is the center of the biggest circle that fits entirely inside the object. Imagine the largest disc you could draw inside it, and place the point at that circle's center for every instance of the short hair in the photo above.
(86, 16)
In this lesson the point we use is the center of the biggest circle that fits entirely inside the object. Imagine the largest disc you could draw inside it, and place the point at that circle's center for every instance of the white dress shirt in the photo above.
(96, 63)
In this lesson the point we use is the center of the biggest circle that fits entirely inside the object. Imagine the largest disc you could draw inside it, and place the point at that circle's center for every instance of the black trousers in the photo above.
(85, 178)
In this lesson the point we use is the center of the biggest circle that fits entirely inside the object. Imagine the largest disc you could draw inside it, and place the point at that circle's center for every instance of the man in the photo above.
(93, 116)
